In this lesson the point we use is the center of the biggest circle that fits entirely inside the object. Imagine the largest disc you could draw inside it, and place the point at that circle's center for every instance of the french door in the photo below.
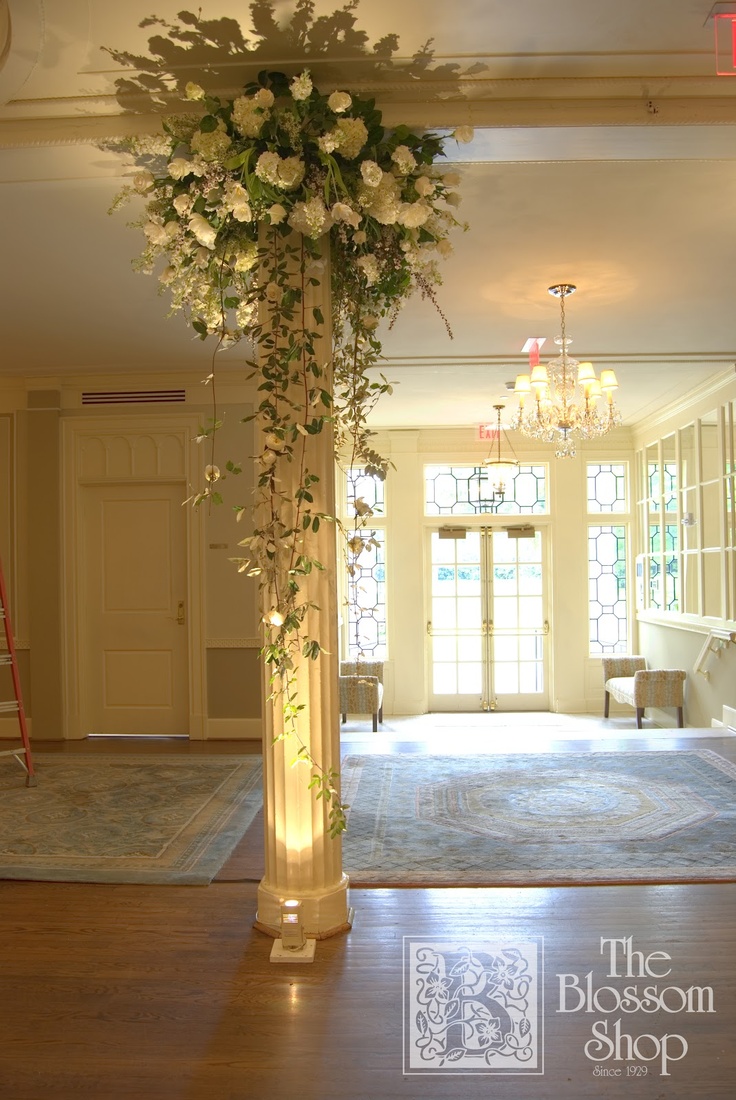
(488, 622)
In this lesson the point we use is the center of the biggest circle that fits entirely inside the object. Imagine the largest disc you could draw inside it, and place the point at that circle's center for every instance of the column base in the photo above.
(324, 913)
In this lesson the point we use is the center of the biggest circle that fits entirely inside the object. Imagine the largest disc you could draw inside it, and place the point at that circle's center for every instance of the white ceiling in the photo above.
(605, 155)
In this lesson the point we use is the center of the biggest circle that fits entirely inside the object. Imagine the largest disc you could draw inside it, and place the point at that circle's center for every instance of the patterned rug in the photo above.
(146, 818)
(540, 819)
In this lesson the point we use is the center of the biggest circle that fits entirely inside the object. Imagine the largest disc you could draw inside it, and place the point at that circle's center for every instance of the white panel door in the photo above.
(487, 627)
(134, 676)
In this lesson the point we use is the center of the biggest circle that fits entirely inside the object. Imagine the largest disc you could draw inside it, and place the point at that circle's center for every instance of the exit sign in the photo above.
(724, 22)
(487, 431)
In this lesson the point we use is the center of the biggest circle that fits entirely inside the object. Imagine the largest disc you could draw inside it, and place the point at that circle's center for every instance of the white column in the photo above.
(302, 860)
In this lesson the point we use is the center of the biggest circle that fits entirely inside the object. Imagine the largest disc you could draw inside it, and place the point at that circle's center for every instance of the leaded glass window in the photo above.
(366, 603)
(607, 589)
(460, 490)
(365, 564)
(606, 487)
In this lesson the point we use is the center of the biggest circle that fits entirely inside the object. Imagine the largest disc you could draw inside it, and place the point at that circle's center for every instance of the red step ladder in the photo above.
(14, 706)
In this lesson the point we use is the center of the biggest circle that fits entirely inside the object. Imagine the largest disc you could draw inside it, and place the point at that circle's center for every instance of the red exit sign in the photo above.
(487, 431)
(724, 22)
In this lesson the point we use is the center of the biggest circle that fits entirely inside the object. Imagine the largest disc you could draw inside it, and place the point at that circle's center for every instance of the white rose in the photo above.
(463, 134)
(425, 186)
(276, 213)
(156, 233)
(273, 292)
(202, 257)
(444, 248)
(202, 230)
(179, 168)
(264, 97)
(143, 181)
(360, 237)
(452, 198)
(339, 102)
(242, 212)
(194, 91)
(413, 214)
(167, 275)
(182, 204)
(342, 212)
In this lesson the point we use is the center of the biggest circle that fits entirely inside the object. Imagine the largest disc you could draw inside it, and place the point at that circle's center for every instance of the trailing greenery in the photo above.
(250, 203)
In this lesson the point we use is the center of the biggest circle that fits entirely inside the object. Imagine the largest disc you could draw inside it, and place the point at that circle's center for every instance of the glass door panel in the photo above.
(487, 627)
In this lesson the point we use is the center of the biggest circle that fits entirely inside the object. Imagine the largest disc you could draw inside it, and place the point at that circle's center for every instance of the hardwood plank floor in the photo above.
(167, 993)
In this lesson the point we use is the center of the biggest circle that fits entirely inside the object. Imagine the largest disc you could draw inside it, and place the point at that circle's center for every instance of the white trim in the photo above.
(72, 428)
(233, 729)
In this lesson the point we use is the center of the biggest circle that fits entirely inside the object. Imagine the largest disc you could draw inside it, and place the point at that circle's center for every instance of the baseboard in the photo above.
(234, 729)
(10, 731)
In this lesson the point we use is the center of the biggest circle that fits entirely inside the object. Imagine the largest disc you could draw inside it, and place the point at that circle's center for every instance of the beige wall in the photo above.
(31, 536)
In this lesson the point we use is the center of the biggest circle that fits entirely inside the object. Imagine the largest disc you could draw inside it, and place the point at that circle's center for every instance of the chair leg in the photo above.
(639, 716)
(606, 704)
(344, 719)
(380, 713)
(680, 722)
(375, 722)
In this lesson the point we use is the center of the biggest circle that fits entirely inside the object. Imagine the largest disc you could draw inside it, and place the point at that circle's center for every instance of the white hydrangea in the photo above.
(311, 218)
(352, 136)
(369, 266)
(249, 115)
(267, 167)
(290, 173)
(301, 86)
(404, 159)
(371, 172)
(382, 202)
(211, 146)
(246, 257)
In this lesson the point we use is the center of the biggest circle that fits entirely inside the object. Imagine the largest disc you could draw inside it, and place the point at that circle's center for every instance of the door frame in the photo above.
(492, 524)
(179, 432)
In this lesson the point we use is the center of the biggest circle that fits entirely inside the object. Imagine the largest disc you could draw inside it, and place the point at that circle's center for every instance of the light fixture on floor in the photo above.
(554, 414)
(293, 945)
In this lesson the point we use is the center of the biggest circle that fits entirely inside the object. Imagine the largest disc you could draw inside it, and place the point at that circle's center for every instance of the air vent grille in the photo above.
(134, 397)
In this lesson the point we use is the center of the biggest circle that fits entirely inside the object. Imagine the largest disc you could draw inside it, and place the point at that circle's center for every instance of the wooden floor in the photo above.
(167, 993)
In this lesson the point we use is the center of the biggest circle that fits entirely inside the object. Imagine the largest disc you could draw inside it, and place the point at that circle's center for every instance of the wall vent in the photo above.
(134, 397)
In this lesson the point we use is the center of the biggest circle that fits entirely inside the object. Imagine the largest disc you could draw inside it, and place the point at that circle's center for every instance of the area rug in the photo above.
(118, 818)
(540, 819)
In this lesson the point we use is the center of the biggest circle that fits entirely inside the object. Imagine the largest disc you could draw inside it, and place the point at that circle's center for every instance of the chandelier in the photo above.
(495, 474)
(548, 408)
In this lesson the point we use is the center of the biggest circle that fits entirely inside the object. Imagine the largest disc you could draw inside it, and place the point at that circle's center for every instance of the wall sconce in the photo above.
(293, 945)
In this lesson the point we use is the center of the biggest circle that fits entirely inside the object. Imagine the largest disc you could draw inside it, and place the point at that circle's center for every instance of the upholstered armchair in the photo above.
(628, 680)
(361, 689)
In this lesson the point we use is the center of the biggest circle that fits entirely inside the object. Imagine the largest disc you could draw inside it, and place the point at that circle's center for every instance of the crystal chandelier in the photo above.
(548, 409)
(493, 478)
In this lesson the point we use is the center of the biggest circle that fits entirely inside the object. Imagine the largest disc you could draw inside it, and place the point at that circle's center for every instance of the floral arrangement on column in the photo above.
(248, 203)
